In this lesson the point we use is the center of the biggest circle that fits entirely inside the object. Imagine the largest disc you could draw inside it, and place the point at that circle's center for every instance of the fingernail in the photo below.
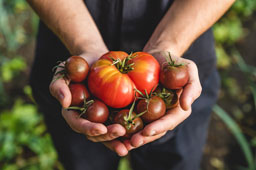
(115, 134)
(152, 133)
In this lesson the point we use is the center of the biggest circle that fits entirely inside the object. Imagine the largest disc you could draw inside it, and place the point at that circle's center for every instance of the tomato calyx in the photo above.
(171, 62)
(152, 106)
(62, 72)
(82, 109)
(125, 65)
(164, 94)
(170, 97)
(145, 96)
(129, 120)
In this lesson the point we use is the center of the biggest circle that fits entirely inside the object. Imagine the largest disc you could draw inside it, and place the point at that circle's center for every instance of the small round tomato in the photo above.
(76, 68)
(132, 124)
(93, 110)
(114, 77)
(170, 97)
(79, 94)
(154, 107)
(174, 76)
(96, 112)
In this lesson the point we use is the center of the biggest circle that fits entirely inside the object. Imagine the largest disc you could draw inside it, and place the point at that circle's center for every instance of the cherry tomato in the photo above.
(114, 77)
(132, 125)
(154, 106)
(76, 68)
(79, 93)
(97, 112)
(170, 97)
(93, 110)
(174, 76)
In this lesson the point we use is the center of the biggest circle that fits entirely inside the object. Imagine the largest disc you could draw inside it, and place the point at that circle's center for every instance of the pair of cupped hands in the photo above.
(108, 135)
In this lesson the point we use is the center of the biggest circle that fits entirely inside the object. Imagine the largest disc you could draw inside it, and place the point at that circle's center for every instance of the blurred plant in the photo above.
(238, 92)
(18, 25)
(234, 128)
(24, 143)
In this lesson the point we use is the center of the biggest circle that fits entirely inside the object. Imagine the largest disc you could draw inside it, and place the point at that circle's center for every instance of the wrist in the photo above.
(163, 46)
(92, 56)
(91, 52)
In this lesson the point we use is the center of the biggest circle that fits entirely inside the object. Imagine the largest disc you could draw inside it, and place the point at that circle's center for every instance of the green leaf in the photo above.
(236, 131)
(253, 90)
(12, 67)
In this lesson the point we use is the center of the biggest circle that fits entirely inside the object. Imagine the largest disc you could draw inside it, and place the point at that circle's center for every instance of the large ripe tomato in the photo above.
(114, 77)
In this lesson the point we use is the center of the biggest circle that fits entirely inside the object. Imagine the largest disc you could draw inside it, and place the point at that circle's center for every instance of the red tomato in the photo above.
(76, 68)
(79, 93)
(114, 81)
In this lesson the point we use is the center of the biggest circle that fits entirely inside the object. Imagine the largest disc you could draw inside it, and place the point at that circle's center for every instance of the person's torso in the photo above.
(124, 25)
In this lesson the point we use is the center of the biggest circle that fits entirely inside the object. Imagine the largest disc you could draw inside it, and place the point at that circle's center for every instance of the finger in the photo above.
(172, 118)
(60, 90)
(82, 125)
(128, 144)
(192, 89)
(114, 131)
(139, 139)
(116, 146)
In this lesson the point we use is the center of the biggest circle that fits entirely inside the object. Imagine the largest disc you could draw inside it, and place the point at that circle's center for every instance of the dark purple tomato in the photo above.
(97, 112)
(79, 93)
(132, 126)
(170, 97)
(174, 77)
(172, 101)
(155, 107)
(76, 68)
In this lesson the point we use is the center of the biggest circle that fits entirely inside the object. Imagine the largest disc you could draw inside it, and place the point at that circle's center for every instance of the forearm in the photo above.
(72, 23)
(185, 21)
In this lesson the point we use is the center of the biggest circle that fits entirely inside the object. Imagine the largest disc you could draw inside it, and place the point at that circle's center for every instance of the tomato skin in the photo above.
(171, 101)
(77, 68)
(138, 123)
(115, 55)
(97, 112)
(79, 93)
(145, 74)
(116, 89)
(108, 84)
(173, 77)
(156, 108)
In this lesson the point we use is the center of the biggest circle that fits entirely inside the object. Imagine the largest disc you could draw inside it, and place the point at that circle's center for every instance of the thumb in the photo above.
(60, 90)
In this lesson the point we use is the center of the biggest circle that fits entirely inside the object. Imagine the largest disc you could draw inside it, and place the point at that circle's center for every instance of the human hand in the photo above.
(95, 132)
(175, 116)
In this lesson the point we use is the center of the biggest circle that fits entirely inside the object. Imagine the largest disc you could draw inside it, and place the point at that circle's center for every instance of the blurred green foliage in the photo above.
(238, 92)
(24, 141)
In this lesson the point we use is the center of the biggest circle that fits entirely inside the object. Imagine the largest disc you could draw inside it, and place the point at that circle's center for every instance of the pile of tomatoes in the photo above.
(124, 88)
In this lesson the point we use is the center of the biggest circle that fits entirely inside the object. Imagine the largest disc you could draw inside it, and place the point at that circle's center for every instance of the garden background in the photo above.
(26, 145)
